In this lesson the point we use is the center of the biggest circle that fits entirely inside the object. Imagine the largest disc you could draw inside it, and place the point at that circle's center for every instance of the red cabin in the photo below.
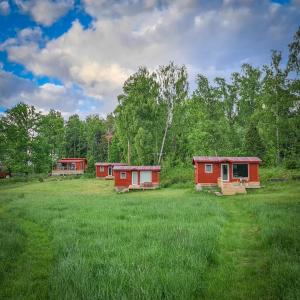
(70, 166)
(136, 177)
(106, 170)
(216, 170)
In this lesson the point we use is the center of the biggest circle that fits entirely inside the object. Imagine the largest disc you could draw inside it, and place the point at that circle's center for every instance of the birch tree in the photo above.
(173, 90)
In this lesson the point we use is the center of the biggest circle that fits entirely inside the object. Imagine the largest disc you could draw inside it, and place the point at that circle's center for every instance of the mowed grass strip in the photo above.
(259, 255)
(156, 244)
(78, 239)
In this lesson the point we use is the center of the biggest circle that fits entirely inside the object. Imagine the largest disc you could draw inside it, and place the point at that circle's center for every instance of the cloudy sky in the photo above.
(74, 56)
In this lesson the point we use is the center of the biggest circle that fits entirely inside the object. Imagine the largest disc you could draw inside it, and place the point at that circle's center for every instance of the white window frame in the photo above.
(101, 168)
(211, 168)
(240, 164)
(123, 175)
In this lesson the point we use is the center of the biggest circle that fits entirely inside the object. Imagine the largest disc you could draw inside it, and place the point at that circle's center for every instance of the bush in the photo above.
(277, 172)
(182, 176)
(291, 163)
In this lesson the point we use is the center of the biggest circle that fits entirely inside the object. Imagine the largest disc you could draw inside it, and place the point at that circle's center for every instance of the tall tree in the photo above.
(95, 130)
(277, 106)
(50, 138)
(138, 108)
(254, 145)
(294, 53)
(75, 138)
(20, 129)
(173, 90)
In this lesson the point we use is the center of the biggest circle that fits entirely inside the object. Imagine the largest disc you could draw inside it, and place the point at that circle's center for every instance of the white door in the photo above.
(146, 176)
(225, 172)
(134, 178)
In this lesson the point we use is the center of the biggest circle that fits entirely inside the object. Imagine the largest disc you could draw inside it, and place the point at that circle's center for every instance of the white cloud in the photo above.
(207, 36)
(67, 99)
(4, 8)
(45, 12)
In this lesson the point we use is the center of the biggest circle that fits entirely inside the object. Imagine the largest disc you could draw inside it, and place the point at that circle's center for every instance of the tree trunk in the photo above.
(277, 144)
(128, 153)
(163, 142)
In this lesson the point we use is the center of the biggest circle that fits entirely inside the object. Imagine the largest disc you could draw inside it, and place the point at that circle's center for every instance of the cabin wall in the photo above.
(207, 178)
(155, 177)
(212, 178)
(128, 180)
(122, 182)
(254, 172)
(101, 174)
(81, 165)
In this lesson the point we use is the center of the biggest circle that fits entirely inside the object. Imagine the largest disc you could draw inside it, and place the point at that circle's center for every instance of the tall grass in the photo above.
(157, 244)
(78, 239)
(278, 218)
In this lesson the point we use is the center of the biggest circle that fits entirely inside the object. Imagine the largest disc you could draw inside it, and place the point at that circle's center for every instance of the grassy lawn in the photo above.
(78, 239)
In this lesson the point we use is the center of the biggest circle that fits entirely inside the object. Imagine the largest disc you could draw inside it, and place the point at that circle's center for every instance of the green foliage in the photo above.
(138, 110)
(19, 127)
(254, 145)
(179, 176)
(143, 150)
(266, 174)
(95, 140)
(114, 150)
(254, 113)
(75, 137)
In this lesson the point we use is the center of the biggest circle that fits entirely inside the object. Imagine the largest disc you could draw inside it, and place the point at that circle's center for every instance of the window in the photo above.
(208, 168)
(101, 169)
(240, 170)
(123, 175)
(110, 171)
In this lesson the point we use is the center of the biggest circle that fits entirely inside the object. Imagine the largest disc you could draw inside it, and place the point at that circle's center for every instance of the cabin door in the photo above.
(225, 172)
(110, 171)
(134, 178)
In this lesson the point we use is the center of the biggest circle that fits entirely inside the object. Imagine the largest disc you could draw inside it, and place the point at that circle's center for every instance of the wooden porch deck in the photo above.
(67, 172)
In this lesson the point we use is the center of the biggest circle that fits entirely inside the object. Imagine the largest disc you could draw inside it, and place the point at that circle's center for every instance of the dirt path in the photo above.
(240, 267)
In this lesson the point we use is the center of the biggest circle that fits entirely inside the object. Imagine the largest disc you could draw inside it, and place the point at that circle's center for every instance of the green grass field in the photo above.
(78, 239)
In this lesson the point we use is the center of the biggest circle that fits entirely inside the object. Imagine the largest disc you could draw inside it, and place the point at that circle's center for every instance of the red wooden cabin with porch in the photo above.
(136, 177)
(70, 166)
(106, 170)
(232, 173)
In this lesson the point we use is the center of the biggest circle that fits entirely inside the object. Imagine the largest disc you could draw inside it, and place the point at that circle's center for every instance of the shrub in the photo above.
(291, 163)
(181, 175)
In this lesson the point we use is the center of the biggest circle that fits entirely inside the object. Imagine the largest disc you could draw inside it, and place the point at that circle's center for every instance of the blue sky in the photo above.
(74, 56)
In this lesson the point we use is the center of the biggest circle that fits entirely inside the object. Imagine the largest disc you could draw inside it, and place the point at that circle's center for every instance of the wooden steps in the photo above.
(232, 188)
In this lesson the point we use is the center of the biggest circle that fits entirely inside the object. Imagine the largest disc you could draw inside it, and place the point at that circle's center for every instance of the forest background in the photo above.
(158, 120)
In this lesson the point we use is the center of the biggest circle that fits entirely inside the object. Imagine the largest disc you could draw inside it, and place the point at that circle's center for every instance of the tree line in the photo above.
(158, 120)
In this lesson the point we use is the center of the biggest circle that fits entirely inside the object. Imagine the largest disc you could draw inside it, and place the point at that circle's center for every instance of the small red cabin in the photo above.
(136, 177)
(70, 166)
(106, 170)
(213, 170)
